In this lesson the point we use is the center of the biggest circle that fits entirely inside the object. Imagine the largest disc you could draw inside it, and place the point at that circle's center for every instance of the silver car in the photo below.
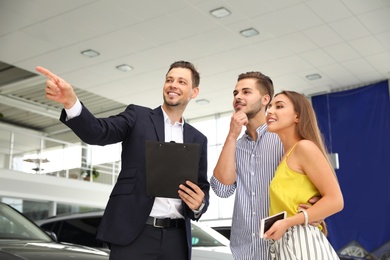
(81, 228)
(21, 239)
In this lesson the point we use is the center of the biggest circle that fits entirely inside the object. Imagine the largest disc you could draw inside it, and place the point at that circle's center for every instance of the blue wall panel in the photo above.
(356, 125)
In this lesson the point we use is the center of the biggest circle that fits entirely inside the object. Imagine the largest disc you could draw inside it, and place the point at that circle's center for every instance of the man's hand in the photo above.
(306, 206)
(58, 89)
(192, 196)
(238, 120)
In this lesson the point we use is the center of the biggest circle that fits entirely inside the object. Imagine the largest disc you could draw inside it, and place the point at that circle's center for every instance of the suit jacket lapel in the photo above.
(188, 136)
(158, 121)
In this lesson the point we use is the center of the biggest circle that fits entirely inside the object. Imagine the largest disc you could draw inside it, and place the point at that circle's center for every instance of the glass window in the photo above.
(14, 225)
(80, 231)
(202, 238)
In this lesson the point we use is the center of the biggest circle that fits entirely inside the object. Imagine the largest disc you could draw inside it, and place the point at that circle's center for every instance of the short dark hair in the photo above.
(187, 65)
(264, 82)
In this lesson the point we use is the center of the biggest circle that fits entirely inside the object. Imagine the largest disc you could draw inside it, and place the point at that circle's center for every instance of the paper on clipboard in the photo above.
(168, 165)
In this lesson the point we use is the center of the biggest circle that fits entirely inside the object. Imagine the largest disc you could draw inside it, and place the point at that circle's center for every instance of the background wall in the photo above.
(356, 125)
(22, 185)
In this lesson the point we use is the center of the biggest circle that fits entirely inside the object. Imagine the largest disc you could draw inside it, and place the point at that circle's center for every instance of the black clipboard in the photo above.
(168, 165)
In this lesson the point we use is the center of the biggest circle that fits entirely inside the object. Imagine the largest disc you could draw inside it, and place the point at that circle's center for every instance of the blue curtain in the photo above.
(356, 125)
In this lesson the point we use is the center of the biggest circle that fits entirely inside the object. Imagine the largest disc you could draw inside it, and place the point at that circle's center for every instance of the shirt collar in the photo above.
(167, 120)
(261, 130)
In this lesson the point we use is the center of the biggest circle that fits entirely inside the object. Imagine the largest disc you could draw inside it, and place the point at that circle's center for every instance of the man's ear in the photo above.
(266, 99)
(195, 92)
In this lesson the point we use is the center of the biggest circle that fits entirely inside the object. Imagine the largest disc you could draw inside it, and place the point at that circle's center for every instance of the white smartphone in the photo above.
(267, 222)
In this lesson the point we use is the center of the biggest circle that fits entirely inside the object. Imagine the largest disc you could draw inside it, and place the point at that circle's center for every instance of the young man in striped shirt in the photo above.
(247, 165)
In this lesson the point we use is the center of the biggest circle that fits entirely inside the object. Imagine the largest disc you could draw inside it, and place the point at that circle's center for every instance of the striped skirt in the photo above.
(302, 243)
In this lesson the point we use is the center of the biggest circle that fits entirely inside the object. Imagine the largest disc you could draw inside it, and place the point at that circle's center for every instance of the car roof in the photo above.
(68, 216)
(99, 213)
(226, 222)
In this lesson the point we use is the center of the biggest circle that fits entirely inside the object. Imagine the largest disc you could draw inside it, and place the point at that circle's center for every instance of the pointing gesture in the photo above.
(58, 89)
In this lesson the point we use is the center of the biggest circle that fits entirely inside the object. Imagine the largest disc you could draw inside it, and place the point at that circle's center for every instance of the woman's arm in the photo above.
(308, 159)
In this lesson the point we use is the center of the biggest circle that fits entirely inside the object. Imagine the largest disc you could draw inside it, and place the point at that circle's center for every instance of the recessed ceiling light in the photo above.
(220, 12)
(124, 67)
(202, 101)
(249, 32)
(90, 53)
(313, 76)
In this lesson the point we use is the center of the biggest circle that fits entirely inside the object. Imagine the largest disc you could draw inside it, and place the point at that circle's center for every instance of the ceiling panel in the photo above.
(347, 42)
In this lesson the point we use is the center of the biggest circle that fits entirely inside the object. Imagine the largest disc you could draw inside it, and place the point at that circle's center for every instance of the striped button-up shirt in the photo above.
(256, 162)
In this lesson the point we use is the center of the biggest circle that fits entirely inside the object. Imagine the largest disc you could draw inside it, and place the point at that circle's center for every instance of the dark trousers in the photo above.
(154, 244)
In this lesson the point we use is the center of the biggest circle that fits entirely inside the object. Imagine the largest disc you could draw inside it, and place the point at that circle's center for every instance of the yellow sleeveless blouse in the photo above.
(288, 189)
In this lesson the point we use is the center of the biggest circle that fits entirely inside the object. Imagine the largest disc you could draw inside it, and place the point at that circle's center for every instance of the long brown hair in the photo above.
(307, 127)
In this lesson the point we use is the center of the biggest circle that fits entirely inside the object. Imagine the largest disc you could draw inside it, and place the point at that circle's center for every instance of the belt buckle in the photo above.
(155, 223)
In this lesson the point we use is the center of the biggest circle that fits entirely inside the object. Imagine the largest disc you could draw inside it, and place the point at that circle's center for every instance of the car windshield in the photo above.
(207, 237)
(14, 226)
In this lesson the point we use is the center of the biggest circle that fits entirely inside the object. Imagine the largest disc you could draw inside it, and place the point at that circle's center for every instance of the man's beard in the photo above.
(252, 113)
(171, 103)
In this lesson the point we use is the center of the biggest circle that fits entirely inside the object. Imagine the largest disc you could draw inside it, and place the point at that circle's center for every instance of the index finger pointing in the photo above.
(47, 73)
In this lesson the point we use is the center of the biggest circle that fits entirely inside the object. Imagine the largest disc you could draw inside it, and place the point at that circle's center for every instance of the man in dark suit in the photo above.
(137, 226)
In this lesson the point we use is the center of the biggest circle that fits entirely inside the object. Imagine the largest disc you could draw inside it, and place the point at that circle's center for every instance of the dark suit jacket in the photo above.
(129, 206)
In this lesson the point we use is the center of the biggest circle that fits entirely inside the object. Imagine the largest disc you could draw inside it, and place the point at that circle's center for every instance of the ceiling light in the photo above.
(249, 32)
(90, 53)
(220, 12)
(124, 67)
(202, 101)
(313, 76)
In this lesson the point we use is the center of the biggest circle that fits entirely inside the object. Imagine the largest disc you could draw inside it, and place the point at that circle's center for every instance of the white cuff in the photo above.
(198, 212)
(74, 111)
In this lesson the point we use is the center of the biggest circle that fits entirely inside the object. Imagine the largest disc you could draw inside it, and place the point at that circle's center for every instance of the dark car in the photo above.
(22, 239)
(223, 226)
(224, 230)
(81, 228)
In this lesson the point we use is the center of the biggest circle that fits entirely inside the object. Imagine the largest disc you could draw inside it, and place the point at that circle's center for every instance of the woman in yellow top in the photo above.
(304, 172)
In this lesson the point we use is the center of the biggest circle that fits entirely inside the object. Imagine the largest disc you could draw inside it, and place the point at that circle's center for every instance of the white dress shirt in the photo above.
(169, 207)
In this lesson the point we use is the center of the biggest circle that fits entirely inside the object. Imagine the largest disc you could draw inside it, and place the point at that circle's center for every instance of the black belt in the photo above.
(165, 222)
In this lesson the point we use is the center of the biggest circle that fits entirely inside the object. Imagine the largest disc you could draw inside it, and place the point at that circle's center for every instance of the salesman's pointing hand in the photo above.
(58, 89)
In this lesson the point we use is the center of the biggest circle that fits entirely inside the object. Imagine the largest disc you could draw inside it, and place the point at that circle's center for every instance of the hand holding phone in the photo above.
(266, 223)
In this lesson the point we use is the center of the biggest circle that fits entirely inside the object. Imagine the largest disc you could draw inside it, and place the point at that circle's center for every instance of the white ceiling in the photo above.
(347, 42)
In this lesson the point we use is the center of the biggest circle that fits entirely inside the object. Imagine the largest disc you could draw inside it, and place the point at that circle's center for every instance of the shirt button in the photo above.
(254, 213)
(252, 173)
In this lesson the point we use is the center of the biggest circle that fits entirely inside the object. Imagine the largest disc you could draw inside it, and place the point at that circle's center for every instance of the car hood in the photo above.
(212, 253)
(47, 251)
